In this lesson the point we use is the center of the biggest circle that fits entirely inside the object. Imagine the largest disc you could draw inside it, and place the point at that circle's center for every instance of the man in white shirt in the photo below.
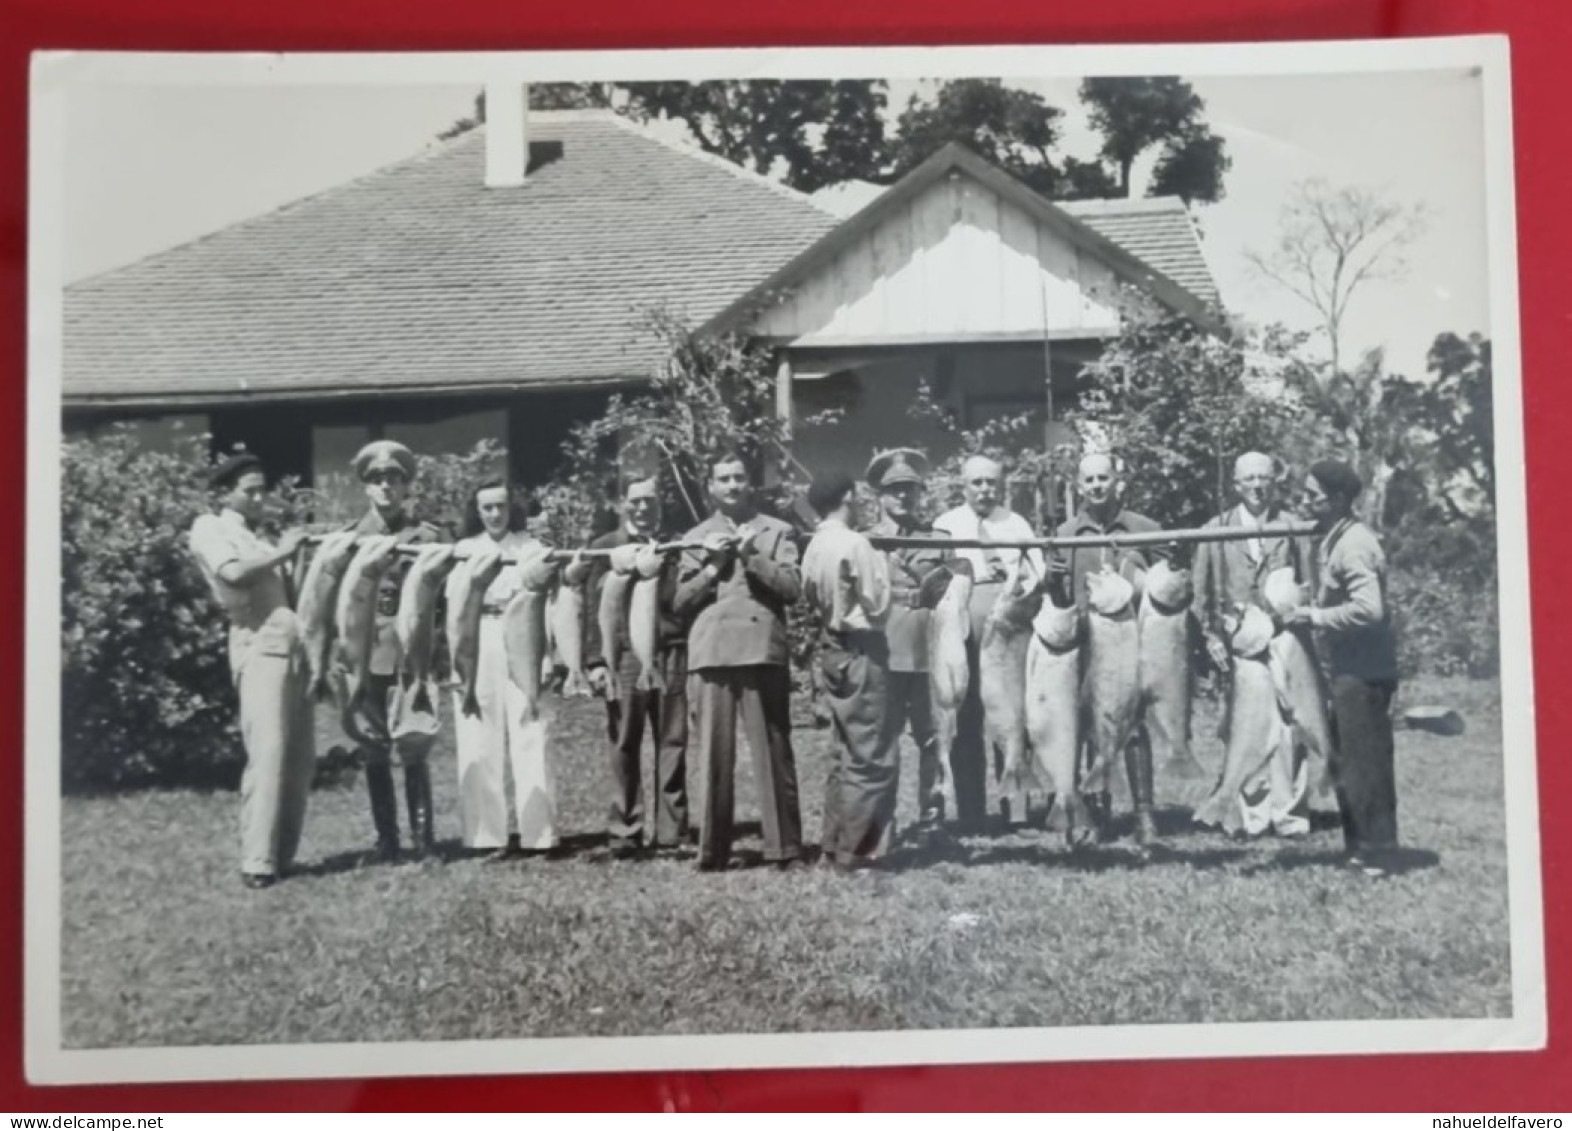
(983, 515)
(847, 582)
(268, 663)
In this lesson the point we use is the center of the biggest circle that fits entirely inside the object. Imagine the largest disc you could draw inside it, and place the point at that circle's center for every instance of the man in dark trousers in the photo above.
(1100, 486)
(847, 582)
(664, 711)
(918, 576)
(1354, 618)
(385, 727)
(737, 591)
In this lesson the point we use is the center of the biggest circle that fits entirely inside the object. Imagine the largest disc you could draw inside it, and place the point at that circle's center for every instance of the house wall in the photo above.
(958, 262)
(975, 384)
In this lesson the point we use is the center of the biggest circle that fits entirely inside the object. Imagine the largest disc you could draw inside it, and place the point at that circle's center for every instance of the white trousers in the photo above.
(495, 739)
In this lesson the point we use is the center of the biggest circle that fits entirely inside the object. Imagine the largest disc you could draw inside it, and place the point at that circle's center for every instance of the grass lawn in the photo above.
(163, 946)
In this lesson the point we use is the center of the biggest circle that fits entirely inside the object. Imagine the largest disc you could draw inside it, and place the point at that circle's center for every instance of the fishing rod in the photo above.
(1092, 541)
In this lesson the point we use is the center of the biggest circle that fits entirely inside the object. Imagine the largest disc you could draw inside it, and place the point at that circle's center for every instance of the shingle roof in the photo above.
(1158, 231)
(419, 276)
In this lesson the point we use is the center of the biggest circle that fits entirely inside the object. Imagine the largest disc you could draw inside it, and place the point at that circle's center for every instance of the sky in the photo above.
(152, 167)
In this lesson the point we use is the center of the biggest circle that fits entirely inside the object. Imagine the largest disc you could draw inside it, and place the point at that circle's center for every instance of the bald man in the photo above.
(1100, 487)
(1229, 576)
(982, 515)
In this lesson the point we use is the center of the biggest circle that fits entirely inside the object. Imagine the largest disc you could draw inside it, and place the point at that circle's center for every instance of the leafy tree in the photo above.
(1134, 114)
(813, 133)
(1331, 242)
(1014, 129)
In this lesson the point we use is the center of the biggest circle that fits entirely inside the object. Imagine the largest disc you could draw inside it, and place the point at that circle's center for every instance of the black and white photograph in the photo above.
(676, 559)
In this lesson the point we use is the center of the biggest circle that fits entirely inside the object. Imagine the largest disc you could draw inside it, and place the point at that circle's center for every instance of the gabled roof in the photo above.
(1109, 230)
(1157, 230)
(418, 277)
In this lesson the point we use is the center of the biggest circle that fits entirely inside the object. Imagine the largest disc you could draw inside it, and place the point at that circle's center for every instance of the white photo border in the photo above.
(47, 1062)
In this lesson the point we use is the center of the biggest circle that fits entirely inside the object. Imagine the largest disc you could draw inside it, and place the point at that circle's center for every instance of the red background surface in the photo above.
(1541, 44)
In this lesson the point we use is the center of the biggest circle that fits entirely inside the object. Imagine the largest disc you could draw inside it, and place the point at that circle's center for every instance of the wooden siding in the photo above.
(957, 263)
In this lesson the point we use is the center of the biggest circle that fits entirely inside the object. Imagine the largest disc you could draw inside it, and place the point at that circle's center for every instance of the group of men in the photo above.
(724, 607)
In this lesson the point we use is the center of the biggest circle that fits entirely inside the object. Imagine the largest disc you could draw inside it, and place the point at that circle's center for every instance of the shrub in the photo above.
(146, 694)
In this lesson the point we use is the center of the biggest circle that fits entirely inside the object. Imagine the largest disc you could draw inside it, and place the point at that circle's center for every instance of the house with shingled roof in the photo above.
(493, 285)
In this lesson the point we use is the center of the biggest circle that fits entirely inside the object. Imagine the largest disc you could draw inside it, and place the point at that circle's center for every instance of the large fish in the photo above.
(1165, 672)
(466, 602)
(416, 622)
(644, 620)
(524, 631)
(318, 596)
(1053, 714)
(355, 613)
(1302, 686)
(1112, 687)
(1257, 732)
(1001, 682)
(949, 672)
(565, 627)
(612, 609)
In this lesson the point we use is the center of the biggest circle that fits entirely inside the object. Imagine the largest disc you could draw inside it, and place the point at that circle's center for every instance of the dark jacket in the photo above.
(739, 617)
(673, 630)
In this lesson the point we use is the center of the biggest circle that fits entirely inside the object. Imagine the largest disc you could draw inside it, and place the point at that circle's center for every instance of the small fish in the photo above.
(1053, 714)
(524, 631)
(949, 672)
(466, 602)
(416, 622)
(644, 621)
(1001, 680)
(318, 596)
(356, 612)
(1165, 674)
(1112, 683)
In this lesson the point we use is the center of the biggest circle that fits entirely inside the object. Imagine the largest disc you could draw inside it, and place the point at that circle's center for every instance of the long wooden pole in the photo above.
(1092, 541)
(414, 549)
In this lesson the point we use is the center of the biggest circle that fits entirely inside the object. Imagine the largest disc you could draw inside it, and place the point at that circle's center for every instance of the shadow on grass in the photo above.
(1398, 862)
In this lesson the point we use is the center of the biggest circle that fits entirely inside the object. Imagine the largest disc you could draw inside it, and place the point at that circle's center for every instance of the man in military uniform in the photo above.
(918, 577)
(384, 726)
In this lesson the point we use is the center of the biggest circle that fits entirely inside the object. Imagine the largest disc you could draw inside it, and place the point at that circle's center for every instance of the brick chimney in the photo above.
(507, 134)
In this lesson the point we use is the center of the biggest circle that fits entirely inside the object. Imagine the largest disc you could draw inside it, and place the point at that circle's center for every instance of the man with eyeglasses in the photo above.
(1229, 577)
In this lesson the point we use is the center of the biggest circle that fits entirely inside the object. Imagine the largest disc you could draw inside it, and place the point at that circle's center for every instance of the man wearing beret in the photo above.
(918, 578)
(384, 726)
(1354, 616)
(267, 661)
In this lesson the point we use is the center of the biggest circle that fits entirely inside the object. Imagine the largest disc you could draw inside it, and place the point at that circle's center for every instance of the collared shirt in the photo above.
(1002, 524)
(515, 544)
(1230, 574)
(217, 540)
(1351, 606)
(1085, 561)
(833, 543)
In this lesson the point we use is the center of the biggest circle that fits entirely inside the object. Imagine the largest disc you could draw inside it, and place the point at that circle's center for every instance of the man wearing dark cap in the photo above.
(384, 726)
(847, 583)
(267, 661)
(1355, 621)
(918, 577)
